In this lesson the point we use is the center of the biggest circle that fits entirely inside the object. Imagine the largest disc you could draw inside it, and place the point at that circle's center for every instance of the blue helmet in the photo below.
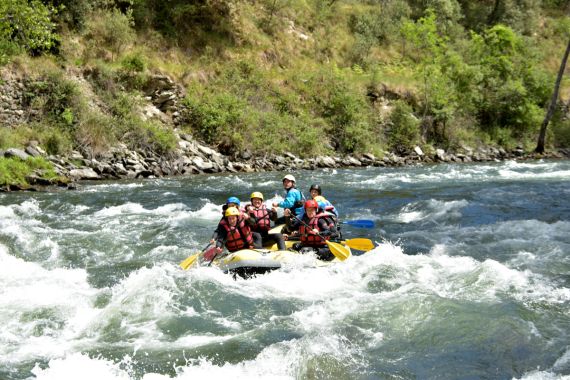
(233, 200)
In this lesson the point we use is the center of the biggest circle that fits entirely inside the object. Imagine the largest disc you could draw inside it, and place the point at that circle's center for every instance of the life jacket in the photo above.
(309, 239)
(238, 237)
(263, 219)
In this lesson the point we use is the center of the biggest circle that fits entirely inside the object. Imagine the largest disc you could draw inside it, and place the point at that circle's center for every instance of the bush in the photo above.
(134, 63)
(14, 171)
(95, 133)
(57, 99)
(57, 143)
(27, 25)
(215, 116)
(403, 132)
(108, 29)
(148, 136)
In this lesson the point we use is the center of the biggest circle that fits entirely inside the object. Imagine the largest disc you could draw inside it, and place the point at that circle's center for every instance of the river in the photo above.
(470, 280)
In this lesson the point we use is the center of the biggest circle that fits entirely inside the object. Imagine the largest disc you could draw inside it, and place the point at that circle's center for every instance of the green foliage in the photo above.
(346, 111)
(26, 25)
(403, 132)
(56, 98)
(520, 15)
(57, 143)
(134, 63)
(74, 12)
(14, 171)
(216, 115)
(149, 136)
(204, 20)
(376, 27)
(109, 29)
(511, 89)
(560, 133)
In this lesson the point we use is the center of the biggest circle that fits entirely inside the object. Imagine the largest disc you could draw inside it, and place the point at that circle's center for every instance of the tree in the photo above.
(27, 25)
(553, 102)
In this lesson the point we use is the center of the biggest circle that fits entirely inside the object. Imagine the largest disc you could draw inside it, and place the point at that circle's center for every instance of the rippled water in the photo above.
(471, 279)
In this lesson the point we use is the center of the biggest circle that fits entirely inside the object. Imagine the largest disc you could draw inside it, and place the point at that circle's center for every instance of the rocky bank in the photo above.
(193, 157)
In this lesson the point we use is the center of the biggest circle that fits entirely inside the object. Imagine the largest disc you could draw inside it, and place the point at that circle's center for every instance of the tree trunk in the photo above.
(553, 102)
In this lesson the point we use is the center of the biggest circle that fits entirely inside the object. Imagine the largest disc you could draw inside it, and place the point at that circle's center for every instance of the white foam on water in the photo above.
(145, 296)
(111, 187)
(127, 208)
(544, 375)
(509, 170)
(70, 367)
(208, 211)
(43, 310)
(432, 209)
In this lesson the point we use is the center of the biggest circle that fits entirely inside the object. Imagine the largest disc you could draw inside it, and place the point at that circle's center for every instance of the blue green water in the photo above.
(470, 280)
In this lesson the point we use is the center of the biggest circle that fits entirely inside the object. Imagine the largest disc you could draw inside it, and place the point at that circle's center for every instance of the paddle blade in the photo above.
(189, 261)
(339, 251)
(362, 223)
(360, 244)
(276, 229)
(210, 254)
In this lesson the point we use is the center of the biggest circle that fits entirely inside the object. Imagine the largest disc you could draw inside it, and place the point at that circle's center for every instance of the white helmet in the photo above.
(289, 177)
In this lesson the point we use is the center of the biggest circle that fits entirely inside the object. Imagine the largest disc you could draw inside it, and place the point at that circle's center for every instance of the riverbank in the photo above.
(193, 158)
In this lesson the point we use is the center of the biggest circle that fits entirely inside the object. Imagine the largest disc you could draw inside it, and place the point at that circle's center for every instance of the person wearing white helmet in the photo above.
(294, 198)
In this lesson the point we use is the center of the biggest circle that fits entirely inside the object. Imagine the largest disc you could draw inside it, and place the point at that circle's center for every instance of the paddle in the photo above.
(360, 244)
(276, 229)
(338, 250)
(362, 223)
(186, 263)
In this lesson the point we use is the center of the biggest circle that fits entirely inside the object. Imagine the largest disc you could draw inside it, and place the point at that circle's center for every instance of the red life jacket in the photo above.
(263, 220)
(309, 239)
(238, 237)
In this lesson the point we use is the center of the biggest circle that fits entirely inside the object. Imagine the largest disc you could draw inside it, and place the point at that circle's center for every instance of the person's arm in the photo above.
(250, 220)
(324, 229)
(215, 234)
(290, 199)
(221, 237)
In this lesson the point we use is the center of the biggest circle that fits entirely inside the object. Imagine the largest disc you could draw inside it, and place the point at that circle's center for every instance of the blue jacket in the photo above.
(293, 196)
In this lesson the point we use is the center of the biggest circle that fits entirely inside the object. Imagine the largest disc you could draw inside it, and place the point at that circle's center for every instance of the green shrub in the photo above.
(57, 143)
(560, 134)
(56, 98)
(96, 133)
(14, 171)
(403, 131)
(108, 29)
(148, 136)
(134, 63)
(26, 24)
(215, 116)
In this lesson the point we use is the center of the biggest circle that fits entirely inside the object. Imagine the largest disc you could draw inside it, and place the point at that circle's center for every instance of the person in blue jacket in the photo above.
(293, 201)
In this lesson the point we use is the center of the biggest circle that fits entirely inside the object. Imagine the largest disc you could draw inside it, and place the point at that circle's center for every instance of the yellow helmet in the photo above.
(232, 211)
(256, 194)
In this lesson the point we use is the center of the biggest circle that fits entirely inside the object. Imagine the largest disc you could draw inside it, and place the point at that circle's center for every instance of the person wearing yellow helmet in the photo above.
(317, 194)
(260, 218)
(234, 204)
(233, 232)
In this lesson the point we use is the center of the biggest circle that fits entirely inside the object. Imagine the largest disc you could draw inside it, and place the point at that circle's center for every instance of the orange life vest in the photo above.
(263, 220)
(238, 237)
(309, 239)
